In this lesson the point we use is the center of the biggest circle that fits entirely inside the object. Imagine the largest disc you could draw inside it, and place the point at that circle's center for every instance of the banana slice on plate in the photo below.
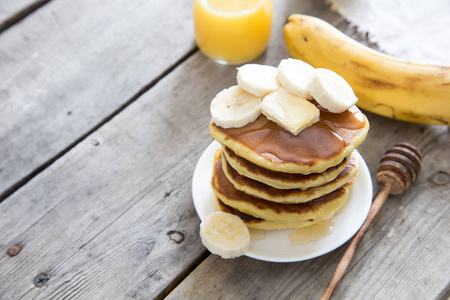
(331, 91)
(258, 80)
(295, 75)
(225, 234)
(234, 108)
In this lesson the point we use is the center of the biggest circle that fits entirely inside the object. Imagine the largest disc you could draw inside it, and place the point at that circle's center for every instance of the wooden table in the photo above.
(104, 111)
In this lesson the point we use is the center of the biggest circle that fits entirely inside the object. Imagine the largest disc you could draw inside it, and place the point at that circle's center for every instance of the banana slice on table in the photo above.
(258, 80)
(291, 112)
(225, 234)
(331, 91)
(295, 75)
(234, 108)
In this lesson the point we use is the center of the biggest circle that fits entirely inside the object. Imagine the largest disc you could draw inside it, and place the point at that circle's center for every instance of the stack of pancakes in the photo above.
(272, 179)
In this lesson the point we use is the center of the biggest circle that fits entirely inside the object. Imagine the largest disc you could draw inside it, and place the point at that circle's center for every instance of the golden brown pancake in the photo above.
(281, 180)
(258, 223)
(272, 211)
(313, 150)
(264, 191)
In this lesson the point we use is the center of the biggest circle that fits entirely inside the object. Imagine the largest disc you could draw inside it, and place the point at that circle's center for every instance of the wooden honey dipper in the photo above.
(397, 171)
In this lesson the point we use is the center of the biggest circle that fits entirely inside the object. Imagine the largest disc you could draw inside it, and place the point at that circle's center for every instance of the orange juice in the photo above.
(232, 31)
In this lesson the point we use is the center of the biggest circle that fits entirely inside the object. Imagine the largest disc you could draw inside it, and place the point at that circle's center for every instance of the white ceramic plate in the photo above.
(276, 246)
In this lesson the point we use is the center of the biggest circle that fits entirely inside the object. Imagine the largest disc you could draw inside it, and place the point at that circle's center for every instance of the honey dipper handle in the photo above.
(348, 255)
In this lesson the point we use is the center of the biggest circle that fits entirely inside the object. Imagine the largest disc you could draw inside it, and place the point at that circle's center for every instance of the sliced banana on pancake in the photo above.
(331, 91)
(295, 75)
(234, 108)
(258, 80)
(291, 112)
(225, 234)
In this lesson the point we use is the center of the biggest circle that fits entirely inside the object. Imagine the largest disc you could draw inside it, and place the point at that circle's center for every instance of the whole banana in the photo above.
(384, 85)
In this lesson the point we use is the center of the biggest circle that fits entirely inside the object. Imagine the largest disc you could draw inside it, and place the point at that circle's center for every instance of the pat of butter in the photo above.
(291, 112)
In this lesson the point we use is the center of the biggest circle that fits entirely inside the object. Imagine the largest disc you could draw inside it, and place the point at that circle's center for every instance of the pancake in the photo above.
(272, 211)
(313, 150)
(258, 223)
(281, 180)
(264, 191)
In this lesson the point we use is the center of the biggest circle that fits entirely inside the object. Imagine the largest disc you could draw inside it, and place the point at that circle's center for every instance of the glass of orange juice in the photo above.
(232, 31)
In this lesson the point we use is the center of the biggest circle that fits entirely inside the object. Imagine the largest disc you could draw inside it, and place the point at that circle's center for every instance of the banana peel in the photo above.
(384, 85)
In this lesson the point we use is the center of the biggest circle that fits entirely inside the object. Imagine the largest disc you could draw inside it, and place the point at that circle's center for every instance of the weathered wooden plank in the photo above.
(79, 62)
(97, 220)
(13, 11)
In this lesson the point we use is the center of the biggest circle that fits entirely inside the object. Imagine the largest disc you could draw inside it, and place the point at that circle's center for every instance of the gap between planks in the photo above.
(183, 275)
(9, 191)
(22, 14)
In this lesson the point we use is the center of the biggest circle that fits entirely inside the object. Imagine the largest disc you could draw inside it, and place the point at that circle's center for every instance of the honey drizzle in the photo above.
(321, 141)
(304, 236)
(257, 234)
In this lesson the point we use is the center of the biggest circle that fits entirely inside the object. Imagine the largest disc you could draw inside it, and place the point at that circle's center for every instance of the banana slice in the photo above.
(331, 91)
(225, 234)
(291, 112)
(258, 80)
(234, 108)
(295, 75)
